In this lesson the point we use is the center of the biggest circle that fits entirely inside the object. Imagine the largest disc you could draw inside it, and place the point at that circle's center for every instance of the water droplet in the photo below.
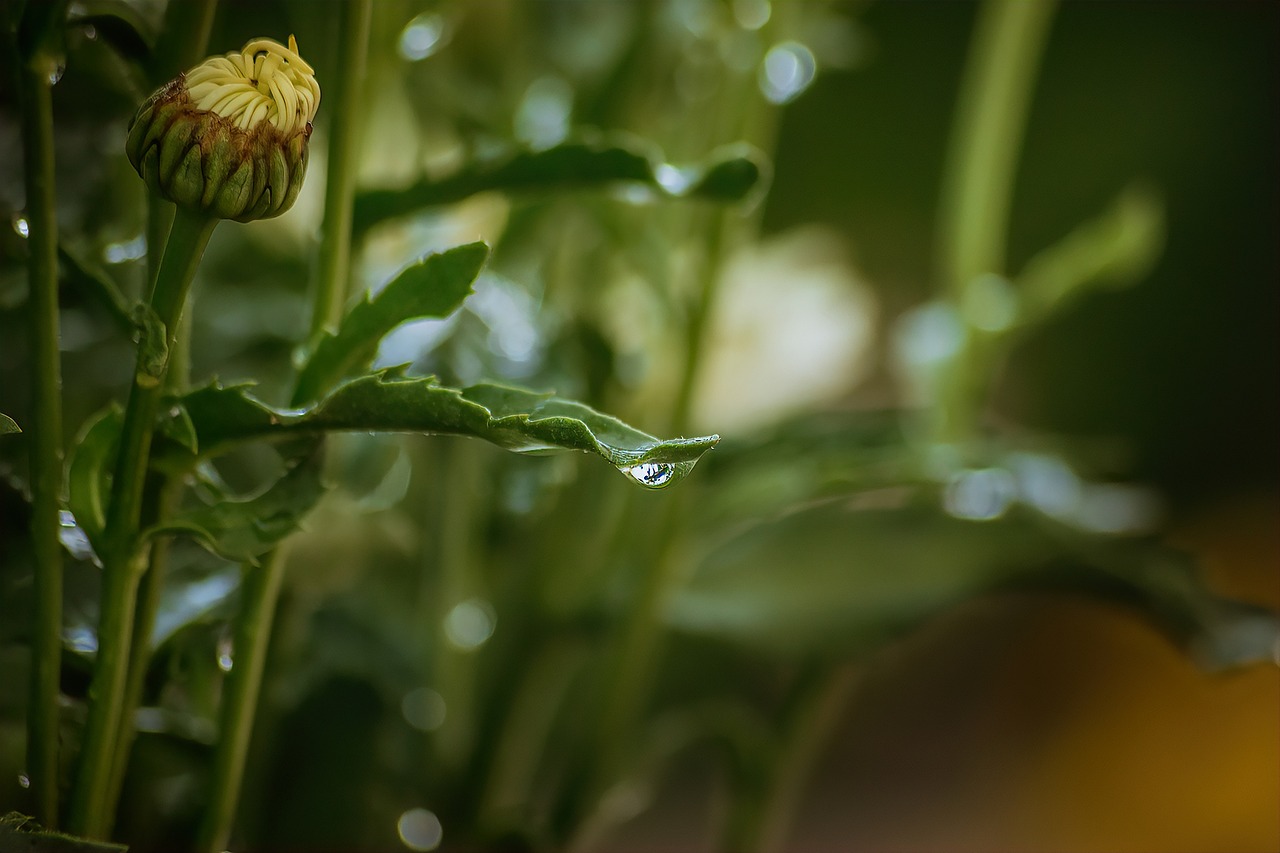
(126, 250)
(80, 638)
(672, 179)
(74, 539)
(542, 119)
(470, 623)
(1046, 483)
(752, 14)
(423, 708)
(225, 648)
(422, 36)
(990, 303)
(420, 829)
(24, 780)
(21, 226)
(981, 495)
(654, 475)
(90, 32)
(788, 69)
(55, 74)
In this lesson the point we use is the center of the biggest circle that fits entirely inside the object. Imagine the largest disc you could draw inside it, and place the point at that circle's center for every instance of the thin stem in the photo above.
(813, 714)
(995, 95)
(259, 593)
(342, 95)
(46, 439)
(91, 800)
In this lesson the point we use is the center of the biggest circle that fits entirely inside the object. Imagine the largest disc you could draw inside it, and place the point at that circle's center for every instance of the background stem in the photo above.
(977, 196)
(45, 436)
(332, 281)
(92, 803)
(991, 118)
(260, 590)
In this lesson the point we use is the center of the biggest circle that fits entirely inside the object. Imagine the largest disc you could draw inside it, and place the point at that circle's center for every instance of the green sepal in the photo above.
(153, 345)
(8, 425)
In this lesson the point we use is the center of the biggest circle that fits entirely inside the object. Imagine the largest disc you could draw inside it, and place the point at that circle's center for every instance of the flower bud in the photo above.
(229, 137)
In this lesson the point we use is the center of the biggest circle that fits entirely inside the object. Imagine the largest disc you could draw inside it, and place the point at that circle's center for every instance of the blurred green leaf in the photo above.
(512, 418)
(245, 529)
(22, 834)
(193, 593)
(95, 283)
(120, 25)
(8, 425)
(1114, 250)
(434, 286)
(93, 456)
(730, 175)
(841, 577)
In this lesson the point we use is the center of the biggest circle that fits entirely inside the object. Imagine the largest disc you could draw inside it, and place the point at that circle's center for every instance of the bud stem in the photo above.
(92, 807)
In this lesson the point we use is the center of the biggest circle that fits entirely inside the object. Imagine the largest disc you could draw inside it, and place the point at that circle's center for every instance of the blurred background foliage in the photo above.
(839, 632)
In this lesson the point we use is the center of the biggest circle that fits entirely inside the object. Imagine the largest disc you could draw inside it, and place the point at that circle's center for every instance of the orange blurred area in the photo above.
(1036, 725)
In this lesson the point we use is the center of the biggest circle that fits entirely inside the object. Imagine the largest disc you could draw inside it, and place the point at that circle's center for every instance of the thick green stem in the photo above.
(240, 700)
(341, 96)
(995, 95)
(183, 41)
(92, 805)
(262, 587)
(45, 437)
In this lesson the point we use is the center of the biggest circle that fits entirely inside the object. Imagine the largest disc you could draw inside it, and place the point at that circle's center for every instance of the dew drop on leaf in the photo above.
(654, 475)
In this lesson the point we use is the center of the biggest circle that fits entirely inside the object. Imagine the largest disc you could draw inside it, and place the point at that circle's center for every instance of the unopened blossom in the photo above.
(229, 137)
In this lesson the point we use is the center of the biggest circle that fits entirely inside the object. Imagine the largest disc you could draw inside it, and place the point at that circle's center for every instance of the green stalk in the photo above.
(973, 227)
(259, 592)
(335, 244)
(45, 437)
(183, 41)
(262, 587)
(91, 798)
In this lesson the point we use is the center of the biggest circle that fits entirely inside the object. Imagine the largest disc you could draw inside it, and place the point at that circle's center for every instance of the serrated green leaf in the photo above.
(513, 418)
(93, 457)
(22, 834)
(843, 577)
(8, 425)
(243, 529)
(1114, 250)
(730, 176)
(434, 286)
